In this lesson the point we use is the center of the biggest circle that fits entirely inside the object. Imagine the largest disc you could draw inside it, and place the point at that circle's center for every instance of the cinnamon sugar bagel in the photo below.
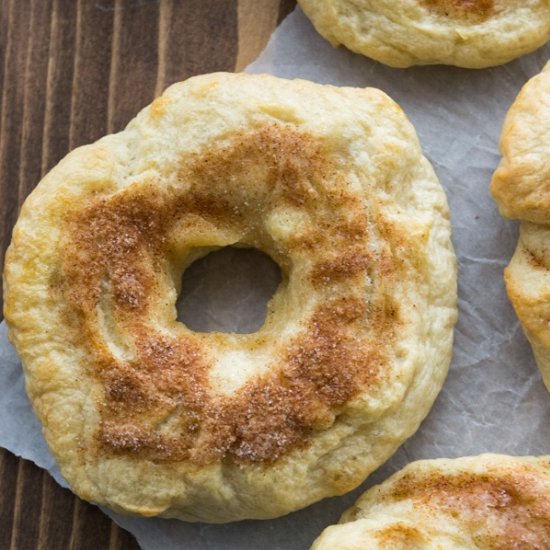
(149, 417)
(401, 33)
(487, 502)
(521, 188)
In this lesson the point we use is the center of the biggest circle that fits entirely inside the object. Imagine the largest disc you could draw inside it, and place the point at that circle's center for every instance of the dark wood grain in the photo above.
(71, 71)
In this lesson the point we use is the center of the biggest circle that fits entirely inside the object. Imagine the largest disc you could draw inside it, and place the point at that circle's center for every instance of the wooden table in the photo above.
(73, 70)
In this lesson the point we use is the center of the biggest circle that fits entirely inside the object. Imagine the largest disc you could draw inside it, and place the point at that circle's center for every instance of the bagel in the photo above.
(149, 417)
(402, 33)
(520, 186)
(487, 502)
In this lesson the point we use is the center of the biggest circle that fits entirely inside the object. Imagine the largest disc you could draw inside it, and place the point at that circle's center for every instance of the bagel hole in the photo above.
(228, 291)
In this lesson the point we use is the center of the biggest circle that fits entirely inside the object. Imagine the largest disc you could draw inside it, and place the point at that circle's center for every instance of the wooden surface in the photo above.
(73, 70)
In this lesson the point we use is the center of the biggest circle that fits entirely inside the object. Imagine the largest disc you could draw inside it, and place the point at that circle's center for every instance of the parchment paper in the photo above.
(493, 399)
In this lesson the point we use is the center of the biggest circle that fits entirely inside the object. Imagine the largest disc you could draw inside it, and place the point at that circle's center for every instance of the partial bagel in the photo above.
(402, 33)
(486, 502)
(521, 188)
(148, 417)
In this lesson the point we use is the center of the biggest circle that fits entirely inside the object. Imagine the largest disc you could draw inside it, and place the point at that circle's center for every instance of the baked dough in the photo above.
(521, 187)
(148, 417)
(401, 33)
(487, 502)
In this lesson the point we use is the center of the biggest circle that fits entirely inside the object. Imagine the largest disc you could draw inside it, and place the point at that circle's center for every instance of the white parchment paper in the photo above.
(493, 399)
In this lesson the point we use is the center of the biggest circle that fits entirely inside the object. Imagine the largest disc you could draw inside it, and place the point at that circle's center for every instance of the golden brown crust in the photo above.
(488, 502)
(222, 426)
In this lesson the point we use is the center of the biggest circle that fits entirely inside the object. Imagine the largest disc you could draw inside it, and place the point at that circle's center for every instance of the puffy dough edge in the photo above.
(413, 41)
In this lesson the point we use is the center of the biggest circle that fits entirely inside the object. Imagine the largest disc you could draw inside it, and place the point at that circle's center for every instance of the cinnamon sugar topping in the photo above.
(516, 504)
(477, 9)
(157, 401)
